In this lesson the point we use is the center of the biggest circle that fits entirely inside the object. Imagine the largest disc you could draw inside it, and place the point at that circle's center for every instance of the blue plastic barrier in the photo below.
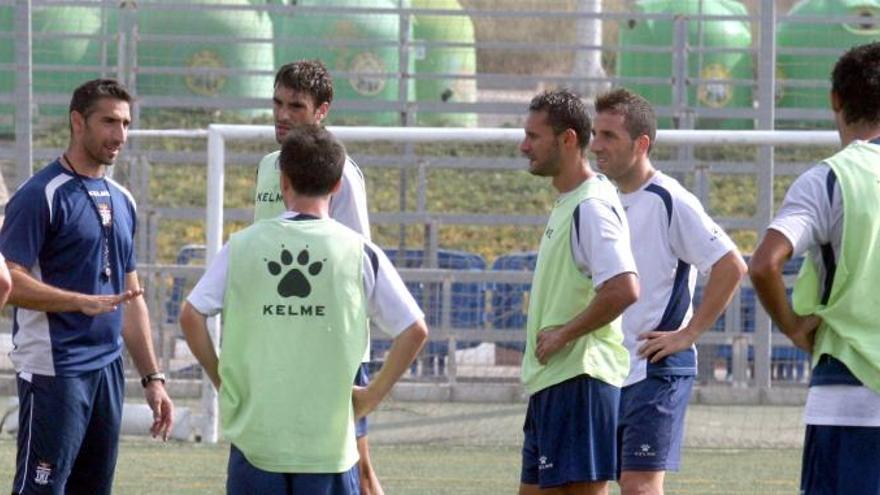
(186, 255)
(510, 301)
(468, 299)
(787, 361)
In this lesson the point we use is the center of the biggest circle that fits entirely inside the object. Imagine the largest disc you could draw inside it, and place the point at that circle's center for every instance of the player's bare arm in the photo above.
(5, 283)
(612, 298)
(765, 270)
(30, 293)
(195, 331)
(403, 351)
(724, 279)
(139, 341)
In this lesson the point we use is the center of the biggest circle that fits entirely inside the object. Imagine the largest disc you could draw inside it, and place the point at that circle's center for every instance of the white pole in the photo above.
(214, 223)
(749, 138)
(168, 133)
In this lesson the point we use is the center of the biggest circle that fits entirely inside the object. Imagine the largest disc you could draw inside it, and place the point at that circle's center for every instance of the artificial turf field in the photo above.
(454, 448)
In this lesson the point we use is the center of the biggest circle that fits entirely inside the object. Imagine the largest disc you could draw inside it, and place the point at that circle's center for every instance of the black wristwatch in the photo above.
(153, 377)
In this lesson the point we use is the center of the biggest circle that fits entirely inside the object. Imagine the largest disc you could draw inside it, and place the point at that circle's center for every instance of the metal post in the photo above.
(403, 51)
(125, 67)
(405, 23)
(739, 355)
(430, 229)
(432, 244)
(103, 50)
(124, 33)
(766, 121)
(446, 323)
(127, 58)
(702, 179)
(24, 131)
(122, 40)
(684, 117)
(146, 237)
(701, 172)
(679, 69)
(159, 292)
(588, 63)
(152, 236)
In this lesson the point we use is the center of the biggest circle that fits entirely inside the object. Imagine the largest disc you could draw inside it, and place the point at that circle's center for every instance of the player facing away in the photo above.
(68, 240)
(303, 94)
(671, 235)
(574, 362)
(831, 214)
(295, 292)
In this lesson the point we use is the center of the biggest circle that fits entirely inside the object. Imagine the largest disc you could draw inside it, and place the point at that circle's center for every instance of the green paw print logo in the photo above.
(294, 282)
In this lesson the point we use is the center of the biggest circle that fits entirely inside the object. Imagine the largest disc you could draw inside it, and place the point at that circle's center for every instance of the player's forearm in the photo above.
(615, 295)
(138, 337)
(724, 280)
(5, 284)
(771, 293)
(767, 279)
(136, 330)
(29, 293)
(195, 331)
(403, 351)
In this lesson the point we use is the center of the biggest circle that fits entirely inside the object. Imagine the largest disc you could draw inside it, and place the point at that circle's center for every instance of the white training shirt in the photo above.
(348, 206)
(389, 304)
(667, 225)
(600, 241)
(808, 219)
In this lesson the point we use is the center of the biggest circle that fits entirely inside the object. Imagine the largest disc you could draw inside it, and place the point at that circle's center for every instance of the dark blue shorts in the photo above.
(841, 459)
(570, 433)
(68, 431)
(361, 379)
(652, 423)
(243, 478)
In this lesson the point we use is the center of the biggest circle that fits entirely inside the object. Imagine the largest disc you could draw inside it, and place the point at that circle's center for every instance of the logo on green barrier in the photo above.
(869, 26)
(715, 94)
(205, 83)
(367, 77)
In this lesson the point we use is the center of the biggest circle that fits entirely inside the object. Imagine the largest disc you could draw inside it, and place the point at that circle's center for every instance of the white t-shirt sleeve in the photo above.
(390, 306)
(694, 237)
(208, 294)
(806, 218)
(600, 243)
(349, 205)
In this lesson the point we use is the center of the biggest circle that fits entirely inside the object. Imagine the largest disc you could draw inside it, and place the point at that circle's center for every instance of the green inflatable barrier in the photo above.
(434, 60)
(713, 65)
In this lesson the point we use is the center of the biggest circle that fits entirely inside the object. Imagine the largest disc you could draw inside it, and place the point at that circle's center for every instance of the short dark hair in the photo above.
(639, 118)
(856, 82)
(312, 160)
(86, 96)
(307, 76)
(565, 110)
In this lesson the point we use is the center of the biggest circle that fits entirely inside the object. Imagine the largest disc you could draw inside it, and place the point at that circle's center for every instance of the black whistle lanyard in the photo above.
(106, 230)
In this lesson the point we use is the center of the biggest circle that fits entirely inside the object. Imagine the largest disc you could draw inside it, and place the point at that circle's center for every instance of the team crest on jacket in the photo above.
(43, 473)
